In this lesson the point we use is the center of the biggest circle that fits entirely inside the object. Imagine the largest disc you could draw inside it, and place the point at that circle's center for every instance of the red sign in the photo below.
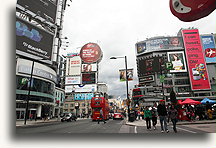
(91, 53)
(195, 59)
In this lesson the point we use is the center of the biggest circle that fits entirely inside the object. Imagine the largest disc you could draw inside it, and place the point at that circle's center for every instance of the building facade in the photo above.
(159, 73)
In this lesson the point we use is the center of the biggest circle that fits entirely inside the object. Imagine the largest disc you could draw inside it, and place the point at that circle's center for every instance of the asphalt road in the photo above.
(79, 126)
(111, 126)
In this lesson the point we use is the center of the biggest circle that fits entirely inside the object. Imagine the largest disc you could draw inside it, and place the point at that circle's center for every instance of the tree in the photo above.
(173, 97)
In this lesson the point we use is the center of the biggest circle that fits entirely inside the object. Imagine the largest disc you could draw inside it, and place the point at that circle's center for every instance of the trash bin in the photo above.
(132, 117)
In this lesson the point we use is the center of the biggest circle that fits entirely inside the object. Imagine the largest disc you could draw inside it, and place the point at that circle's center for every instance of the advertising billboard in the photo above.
(81, 88)
(195, 60)
(33, 41)
(73, 80)
(209, 48)
(88, 78)
(162, 43)
(46, 9)
(73, 66)
(83, 96)
(89, 67)
(122, 73)
(150, 65)
(91, 53)
(177, 59)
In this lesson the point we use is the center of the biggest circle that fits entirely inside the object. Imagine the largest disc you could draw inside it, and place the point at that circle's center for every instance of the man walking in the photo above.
(101, 116)
(162, 113)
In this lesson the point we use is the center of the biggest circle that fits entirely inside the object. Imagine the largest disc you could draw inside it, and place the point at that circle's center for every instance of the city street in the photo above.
(111, 126)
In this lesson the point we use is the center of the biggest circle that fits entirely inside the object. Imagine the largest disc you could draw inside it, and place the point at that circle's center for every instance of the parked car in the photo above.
(118, 116)
(68, 117)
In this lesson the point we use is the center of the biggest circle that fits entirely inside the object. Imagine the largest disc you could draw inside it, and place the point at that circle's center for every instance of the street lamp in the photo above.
(29, 90)
(128, 100)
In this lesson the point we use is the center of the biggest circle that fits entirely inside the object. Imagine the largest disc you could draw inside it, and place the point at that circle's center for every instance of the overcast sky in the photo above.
(116, 25)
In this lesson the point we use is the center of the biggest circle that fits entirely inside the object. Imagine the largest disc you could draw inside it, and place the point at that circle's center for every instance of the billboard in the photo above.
(33, 41)
(122, 73)
(46, 9)
(195, 60)
(150, 65)
(73, 66)
(177, 59)
(91, 53)
(81, 88)
(89, 67)
(209, 48)
(88, 78)
(162, 43)
(83, 96)
(73, 80)
(146, 79)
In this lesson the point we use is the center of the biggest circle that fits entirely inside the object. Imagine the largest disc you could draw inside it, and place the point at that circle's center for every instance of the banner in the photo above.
(84, 96)
(177, 59)
(162, 43)
(73, 80)
(123, 74)
(195, 59)
(209, 48)
(81, 88)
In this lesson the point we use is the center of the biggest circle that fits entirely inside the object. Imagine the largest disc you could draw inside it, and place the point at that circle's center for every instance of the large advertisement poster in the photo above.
(73, 66)
(81, 88)
(177, 59)
(89, 67)
(33, 41)
(209, 48)
(195, 59)
(147, 66)
(122, 73)
(44, 8)
(73, 80)
(83, 96)
(88, 78)
(163, 43)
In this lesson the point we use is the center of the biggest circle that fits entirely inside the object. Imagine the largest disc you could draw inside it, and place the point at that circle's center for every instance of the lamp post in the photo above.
(128, 100)
(29, 90)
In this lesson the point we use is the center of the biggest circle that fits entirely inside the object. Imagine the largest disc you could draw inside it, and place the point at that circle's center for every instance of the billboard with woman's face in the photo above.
(177, 59)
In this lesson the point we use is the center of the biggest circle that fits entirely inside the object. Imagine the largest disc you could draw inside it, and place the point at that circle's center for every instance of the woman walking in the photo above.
(148, 116)
(173, 116)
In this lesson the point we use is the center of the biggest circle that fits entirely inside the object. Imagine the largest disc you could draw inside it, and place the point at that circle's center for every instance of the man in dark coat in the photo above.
(162, 113)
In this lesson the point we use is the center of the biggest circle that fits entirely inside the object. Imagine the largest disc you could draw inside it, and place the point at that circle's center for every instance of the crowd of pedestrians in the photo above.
(172, 113)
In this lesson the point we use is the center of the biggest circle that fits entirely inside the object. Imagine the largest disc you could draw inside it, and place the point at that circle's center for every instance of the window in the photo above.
(182, 82)
(71, 105)
(37, 85)
(66, 105)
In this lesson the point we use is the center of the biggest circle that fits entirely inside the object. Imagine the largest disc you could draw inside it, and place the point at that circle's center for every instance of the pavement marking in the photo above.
(186, 130)
(135, 129)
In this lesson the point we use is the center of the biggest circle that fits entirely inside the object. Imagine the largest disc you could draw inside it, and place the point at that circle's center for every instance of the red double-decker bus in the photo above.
(98, 103)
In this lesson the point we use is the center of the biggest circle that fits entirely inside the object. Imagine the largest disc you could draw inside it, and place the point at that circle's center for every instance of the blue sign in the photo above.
(209, 48)
(86, 96)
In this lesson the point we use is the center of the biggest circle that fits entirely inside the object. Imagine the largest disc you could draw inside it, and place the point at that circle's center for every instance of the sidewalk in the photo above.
(143, 122)
(20, 123)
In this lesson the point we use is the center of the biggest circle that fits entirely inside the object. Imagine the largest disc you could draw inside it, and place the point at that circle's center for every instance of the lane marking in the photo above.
(135, 129)
(186, 130)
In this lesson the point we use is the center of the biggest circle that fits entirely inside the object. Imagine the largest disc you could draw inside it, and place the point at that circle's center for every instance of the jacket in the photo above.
(161, 109)
(147, 114)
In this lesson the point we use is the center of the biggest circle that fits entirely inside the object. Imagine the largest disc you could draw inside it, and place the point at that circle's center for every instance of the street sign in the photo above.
(169, 65)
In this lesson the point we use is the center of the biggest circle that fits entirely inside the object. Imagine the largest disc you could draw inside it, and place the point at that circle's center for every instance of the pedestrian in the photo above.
(168, 117)
(162, 113)
(154, 117)
(138, 114)
(101, 116)
(173, 113)
(148, 116)
(35, 117)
